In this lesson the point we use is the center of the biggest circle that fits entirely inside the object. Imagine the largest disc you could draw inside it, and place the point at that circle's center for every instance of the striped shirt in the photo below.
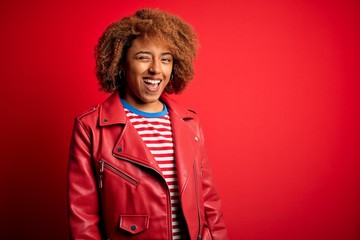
(155, 130)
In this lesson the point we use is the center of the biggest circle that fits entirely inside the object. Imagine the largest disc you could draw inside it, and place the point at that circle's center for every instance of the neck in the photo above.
(150, 107)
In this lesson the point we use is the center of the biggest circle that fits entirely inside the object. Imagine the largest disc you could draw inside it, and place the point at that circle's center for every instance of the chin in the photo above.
(150, 99)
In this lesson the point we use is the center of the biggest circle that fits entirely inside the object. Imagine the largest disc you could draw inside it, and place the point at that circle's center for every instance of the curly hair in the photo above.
(179, 37)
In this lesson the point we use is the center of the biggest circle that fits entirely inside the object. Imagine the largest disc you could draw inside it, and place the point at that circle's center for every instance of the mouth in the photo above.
(152, 84)
(150, 81)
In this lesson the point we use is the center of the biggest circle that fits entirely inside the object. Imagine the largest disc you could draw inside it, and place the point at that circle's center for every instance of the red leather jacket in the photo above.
(116, 189)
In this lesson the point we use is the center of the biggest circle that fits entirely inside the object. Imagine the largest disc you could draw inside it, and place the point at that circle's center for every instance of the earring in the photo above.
(172, 76)
(121, 74)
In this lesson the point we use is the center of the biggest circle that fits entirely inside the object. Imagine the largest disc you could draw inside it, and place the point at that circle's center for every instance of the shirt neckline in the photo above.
(142, 113)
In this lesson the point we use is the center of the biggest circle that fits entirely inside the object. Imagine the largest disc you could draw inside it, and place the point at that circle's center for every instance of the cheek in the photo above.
(133, 74)
(168, 70)
(134, 68)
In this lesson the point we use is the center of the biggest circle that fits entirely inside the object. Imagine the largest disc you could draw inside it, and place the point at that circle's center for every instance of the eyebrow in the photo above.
(145, 52)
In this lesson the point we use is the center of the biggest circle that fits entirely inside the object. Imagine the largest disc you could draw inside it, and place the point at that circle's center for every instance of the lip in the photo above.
(152, 87)
(153, 78)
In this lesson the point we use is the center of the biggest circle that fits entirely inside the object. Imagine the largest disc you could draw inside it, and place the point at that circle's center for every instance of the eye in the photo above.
(166, 60)
(143, 58)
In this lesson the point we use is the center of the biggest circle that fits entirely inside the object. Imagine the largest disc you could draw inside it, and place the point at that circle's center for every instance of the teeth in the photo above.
(151, 81)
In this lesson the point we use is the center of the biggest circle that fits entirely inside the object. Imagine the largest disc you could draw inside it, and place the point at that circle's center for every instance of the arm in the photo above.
(212, 204)
(82, 187)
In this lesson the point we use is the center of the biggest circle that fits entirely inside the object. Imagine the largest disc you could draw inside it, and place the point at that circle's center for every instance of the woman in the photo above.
(138, 167)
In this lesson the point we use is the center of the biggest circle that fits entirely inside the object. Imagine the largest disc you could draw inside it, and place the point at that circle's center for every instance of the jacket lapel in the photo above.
(132, 148)
(129, 145)
(185, 144)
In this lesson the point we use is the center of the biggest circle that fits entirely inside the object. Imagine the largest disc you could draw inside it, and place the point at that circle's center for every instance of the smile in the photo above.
(152, 81)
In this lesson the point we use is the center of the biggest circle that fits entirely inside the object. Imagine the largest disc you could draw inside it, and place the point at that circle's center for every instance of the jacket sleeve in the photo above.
(82, 187)
(212, 204)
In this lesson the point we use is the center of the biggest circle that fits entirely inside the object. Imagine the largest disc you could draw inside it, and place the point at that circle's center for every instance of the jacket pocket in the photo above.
(121, 174)
(134, 223)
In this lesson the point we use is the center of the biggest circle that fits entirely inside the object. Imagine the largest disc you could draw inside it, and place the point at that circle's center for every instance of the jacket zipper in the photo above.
(104, 164)
(197, 202)
(169, 196)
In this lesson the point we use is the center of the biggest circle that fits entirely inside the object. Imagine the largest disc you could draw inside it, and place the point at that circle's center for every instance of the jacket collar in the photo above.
(112, 111)
(176, 108)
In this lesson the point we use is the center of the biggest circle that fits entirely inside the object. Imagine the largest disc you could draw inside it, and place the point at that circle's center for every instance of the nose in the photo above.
(155, 67)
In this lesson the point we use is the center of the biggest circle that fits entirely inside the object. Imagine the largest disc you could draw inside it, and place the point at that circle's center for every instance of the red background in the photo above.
(277, 87)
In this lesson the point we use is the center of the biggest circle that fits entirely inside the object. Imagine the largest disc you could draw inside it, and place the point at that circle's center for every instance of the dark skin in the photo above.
(148, 69)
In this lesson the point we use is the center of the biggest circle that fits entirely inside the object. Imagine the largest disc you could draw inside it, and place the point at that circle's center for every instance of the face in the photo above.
(148, 69)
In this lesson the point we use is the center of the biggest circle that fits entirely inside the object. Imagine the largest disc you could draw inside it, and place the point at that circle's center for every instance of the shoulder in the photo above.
(87, 119)
(90, 111)
(110, 111)
(94, 110)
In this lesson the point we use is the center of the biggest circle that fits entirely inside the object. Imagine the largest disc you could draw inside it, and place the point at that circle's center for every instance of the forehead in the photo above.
(150, 44)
